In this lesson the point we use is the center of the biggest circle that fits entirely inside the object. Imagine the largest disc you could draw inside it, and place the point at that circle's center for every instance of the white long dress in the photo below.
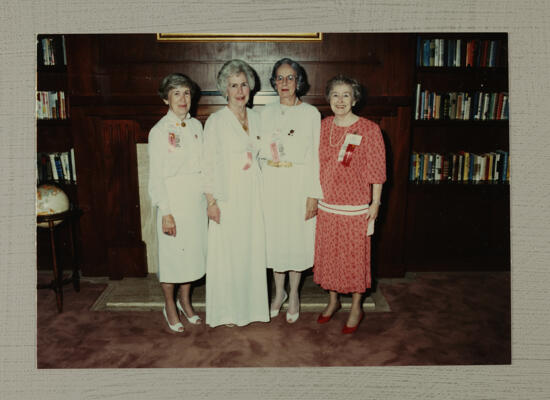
(236, 282)
(295, 132)
(176, 187)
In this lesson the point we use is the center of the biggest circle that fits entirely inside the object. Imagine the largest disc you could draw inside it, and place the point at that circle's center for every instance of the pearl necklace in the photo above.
(341, 137)
(330, 136)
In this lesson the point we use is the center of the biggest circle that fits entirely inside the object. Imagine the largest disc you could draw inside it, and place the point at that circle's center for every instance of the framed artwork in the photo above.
(240, 37)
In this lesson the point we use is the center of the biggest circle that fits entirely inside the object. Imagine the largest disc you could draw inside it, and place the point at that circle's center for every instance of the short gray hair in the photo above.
(234, 67)
(340, 79)
(302, 85)
(173, 81)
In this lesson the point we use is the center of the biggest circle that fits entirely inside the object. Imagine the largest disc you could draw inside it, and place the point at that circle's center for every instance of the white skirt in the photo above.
(236, 281)
(183, 258)
(290, 238)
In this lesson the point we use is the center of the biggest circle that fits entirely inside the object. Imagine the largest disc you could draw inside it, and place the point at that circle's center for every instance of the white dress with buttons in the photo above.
(236, 280)
(175, 187)
(296, 130)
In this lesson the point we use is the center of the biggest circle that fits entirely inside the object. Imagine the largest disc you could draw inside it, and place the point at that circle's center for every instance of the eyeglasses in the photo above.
(290, 78)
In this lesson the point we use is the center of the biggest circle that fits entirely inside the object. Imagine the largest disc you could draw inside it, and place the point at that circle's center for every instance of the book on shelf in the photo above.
(439, 52)
(51, 51)
(56, 167)
(57, 162)
(417, 102)
(51, 105)
(461, 166)
(467, 106)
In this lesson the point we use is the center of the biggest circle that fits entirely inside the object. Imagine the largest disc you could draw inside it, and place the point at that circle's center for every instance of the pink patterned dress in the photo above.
(342, 247)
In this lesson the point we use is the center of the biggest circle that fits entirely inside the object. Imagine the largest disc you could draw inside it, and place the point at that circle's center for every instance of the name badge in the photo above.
(350, 142)
(173, 141)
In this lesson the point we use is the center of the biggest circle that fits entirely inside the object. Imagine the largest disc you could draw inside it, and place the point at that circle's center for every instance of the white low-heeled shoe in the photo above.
(274, 313)
(292, 318)
(195, 319)
(177, 327)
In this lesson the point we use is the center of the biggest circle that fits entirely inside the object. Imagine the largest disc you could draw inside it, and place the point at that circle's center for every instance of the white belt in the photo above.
(344, 209)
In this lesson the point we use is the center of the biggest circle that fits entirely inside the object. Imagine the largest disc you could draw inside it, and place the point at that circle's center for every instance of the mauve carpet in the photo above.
(436, 319)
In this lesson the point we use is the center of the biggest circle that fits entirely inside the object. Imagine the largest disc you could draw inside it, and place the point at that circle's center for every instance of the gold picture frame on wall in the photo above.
(240, 37)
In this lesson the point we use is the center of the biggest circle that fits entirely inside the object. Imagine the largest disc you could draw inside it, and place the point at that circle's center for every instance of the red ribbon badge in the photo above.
(274, 152)
(348, 155)
(249, 160)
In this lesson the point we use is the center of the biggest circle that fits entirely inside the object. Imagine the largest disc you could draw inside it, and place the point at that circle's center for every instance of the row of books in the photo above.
(58, 167)
(463, 166)
(51, 105)
(451, 53)
(485, 53)
(51, 50)
(477, 106)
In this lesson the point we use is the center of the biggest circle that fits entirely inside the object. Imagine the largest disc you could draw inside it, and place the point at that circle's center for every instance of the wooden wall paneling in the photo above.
(89, 171)
(136, 63)
(82, 63)
(399, 57)
(126, 250)
(390, 236)
(115, 77)
(381, 62)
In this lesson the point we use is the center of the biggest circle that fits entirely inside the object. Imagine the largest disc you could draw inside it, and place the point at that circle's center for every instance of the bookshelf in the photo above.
(458, 191)
(53, 125)
(55, 150)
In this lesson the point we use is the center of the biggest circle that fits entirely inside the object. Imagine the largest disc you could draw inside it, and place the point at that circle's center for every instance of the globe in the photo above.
(50, 199)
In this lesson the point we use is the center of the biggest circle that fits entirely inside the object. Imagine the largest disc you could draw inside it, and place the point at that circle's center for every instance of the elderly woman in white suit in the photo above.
(236, 281)
(176, 191)
(290, 146)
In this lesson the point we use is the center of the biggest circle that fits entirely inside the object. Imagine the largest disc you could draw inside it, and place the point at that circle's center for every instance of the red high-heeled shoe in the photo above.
(350, 329)
(321, 319)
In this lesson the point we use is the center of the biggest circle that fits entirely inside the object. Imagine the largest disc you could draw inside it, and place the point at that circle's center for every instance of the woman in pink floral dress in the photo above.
(352, 170)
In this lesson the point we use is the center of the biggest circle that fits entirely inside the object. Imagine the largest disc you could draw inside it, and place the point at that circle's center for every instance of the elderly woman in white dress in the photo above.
(236, 283)
(290, 144)
(175, 188)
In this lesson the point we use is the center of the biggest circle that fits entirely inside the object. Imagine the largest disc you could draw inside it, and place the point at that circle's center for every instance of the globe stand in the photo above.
(58, 281)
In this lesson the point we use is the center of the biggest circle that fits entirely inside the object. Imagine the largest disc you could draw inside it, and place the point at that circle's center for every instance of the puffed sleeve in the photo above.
(213, 159)
(315, 190)
(157, 187)
(376, 155)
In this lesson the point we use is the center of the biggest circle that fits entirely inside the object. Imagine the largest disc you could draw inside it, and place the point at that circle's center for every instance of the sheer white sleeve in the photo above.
(214, 168)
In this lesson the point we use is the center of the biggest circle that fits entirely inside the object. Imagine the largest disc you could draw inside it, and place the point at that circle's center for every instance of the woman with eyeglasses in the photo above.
(291, 187)
(353, 169)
